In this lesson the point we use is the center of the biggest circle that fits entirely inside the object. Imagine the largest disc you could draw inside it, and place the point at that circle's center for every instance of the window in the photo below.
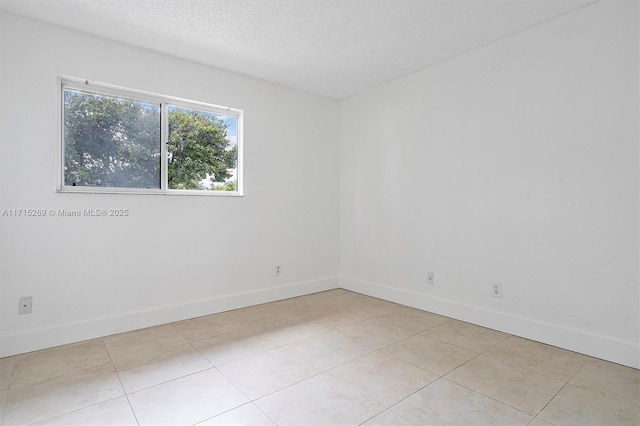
(119, 140)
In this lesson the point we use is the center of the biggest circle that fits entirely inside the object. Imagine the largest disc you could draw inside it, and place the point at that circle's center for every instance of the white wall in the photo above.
(175, 257)
(517, 163)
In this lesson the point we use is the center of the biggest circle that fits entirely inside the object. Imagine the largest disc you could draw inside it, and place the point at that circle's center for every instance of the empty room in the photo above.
(319, 212)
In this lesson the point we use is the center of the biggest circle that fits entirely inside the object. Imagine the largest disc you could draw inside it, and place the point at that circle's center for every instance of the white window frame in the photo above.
(164, 101)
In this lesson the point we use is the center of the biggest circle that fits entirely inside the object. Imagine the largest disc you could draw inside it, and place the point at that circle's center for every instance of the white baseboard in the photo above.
(599, 346)
(618, 351)
(32, 340)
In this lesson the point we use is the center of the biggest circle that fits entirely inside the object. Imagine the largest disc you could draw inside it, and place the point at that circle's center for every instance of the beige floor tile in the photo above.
(187, 400)
(543, 359)
(142, 342)
(319, 301)
(465, 335)
(42, 365)
(430, 354)
(323, 315)
(364, 305)
(609, 379)
(336, 298)
(375, 332)
(512, 385)
(3, 402)
(291, 303)
(6, 369)
(290, 329)
(246, 415)
(374, 307)
(233, 346)
(388, 418)
(208, 326)
(114, 412)
(256, 316)
(576, 406)
(314, 360)
(446, 403)
(399, 323)
(275, 369)
(269, 371)
(383, 377)
(60, 395)
(414, 320)
(539, 422)
(329, 350)
(165, 364)
(320, 400)
(334, 318)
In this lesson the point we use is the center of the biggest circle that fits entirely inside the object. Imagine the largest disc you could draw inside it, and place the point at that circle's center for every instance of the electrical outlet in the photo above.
(278, 270)
(496, 289)
(25, 306)
(430, 278)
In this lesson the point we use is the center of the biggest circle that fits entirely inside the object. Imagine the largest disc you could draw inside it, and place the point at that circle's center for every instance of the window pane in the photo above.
(202, 150)
(110, 141)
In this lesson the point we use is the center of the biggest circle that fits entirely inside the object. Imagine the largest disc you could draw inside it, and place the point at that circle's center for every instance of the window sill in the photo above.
(190, 193)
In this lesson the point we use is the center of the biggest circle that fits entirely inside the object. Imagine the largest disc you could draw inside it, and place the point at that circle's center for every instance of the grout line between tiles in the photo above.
(490, 397)
(263, 412)
(443, 377)
(540, 418)
(58, 376)
(76, 410)
(531, 371)
(4, 407)
(578, 371)
(552, 398)
(121, 384)
(375, 415)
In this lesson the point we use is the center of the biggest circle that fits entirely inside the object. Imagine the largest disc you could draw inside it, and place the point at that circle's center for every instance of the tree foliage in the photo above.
(199, 153)
(113, 142)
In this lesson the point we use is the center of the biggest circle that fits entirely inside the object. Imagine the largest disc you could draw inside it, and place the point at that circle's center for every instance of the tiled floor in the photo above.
(329, 358)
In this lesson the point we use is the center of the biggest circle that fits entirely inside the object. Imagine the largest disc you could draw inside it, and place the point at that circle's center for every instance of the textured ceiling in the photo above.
(334, 48)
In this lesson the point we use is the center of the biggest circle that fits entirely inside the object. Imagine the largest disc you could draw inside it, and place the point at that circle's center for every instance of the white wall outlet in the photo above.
(431, 279)
(25, 305)
(496, 289)
(278, 270)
